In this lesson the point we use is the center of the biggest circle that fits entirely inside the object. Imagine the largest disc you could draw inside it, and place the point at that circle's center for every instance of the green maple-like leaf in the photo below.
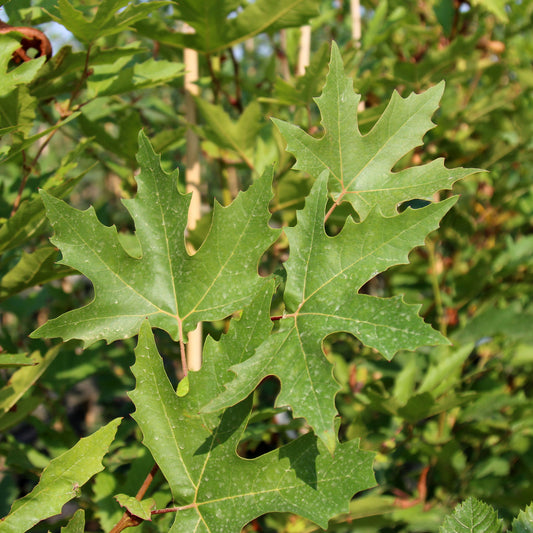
(111, 17)
(523, 523)
(239, 136)
(472, 516)
(214, 488)
(22, 75)
(174, 289)
(220, 24)
(323, 276)
(360, 165)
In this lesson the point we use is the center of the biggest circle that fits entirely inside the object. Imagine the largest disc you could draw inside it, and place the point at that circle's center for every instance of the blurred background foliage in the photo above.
(447, 422)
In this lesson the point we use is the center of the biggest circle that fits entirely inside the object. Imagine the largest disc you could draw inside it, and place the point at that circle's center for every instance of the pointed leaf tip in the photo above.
(361, 165)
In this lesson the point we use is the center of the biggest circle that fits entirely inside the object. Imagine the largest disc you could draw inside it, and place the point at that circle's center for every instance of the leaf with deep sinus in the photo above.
(324, 275)
(213, 487)
(172, 288)
(360, 165)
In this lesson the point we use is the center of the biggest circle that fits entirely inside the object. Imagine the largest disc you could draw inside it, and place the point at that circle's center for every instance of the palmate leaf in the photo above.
(21, 75)
(213, 487)
(323, 276)
(240, 136)
(523, 523)
(360, 165)
(472, 516)
(112, 16)
(220, 24)
(172, 288)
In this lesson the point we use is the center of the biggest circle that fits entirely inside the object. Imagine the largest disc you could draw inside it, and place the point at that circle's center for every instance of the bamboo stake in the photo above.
(304, 53)
(355, 9)
(192, 180)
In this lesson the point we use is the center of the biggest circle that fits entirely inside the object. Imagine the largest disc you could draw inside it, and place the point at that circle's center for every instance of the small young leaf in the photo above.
(140, 508)
(76, 524)
(60, 481)
(360, 165)
(172, 288)
(472, 516)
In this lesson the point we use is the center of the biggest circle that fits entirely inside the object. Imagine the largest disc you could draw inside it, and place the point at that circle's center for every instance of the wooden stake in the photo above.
(355, 8)
(304, 53)
(192, 179)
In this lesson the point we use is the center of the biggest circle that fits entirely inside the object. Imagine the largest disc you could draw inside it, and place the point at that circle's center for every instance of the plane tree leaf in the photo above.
(112, 16)
(22, 74)
(360, 165)
(61, 480)
(238, 136)
(174, 289)
(22, 380)
(324, 275)
(523, 523)
(213, 487)
(34, 268)
(121, 77)
(472, 516)
(140, 508)
(220, 24)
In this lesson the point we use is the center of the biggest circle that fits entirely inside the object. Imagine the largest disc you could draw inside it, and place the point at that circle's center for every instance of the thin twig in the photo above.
(149, 478)
(84, 75)
(31, 166)
(183, 355)
(337, 202)
(64, 114)
(238, 92)
(174, 509)
(216, 82)
(127, 519)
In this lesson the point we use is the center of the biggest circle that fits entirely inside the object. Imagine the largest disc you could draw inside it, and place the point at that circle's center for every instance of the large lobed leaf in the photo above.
(60, 481)
(172, 288)
(324, 275)
(360, 165)
(111, 17)
(214, 488)
(214, 31)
